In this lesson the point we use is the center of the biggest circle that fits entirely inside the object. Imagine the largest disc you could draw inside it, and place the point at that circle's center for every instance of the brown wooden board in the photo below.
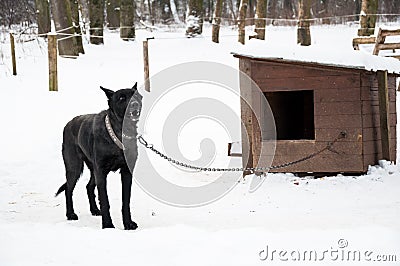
(328, 134)
(264, 70)
(372, 107)
(338, 121)
(372, 95)
(370, 81)
(373, 120)
(308, 83)
(337, 95)
(322, 163)
(373, 133)
(246, 115)
(337, 108)
(303, 148)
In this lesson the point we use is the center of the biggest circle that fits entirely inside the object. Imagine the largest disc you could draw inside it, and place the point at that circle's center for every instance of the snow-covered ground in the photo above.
(286, 214)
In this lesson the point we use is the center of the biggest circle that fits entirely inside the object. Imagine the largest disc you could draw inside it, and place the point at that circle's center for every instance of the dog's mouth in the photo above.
(134, 111)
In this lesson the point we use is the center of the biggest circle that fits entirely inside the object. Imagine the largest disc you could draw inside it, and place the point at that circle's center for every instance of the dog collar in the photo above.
(112, 134)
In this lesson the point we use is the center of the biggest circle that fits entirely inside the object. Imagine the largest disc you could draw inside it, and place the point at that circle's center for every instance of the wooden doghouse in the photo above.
(312, 104)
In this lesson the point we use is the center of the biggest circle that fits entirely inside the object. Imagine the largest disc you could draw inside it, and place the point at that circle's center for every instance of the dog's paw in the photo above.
(130, 225)
(108, 225)
(72, 216)
(96, 212)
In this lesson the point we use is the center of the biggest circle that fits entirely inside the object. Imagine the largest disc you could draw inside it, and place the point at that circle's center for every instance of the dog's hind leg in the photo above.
(90, 187)
(74, 168)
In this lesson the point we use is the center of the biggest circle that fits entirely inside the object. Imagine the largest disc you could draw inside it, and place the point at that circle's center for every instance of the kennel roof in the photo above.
(344, 58)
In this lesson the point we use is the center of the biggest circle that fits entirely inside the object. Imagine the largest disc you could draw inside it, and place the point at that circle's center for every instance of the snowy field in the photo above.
(285, 218)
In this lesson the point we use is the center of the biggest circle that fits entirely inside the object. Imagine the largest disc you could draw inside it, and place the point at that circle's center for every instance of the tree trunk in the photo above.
(113, 13)
(242, 20)
(232, 10)
(43, 16)
(127, 31)
(251, 8)
(84, 8)
(96, 17)
(196, 9)
(303, 30)
(217, 21)
(61, 12)
(369, 9)
(261, 15)
(75, 21)
(174, 12)
(151, 12)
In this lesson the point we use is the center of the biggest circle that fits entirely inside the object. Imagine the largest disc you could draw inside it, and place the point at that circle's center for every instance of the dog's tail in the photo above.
(61, 189)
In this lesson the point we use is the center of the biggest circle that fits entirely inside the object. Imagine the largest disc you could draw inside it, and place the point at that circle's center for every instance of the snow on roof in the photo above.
(341, 57)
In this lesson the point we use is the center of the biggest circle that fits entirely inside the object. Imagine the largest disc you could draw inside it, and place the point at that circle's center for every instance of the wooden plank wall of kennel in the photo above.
(345, 99)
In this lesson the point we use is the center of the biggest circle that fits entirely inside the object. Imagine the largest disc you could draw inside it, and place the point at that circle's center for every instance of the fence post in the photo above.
(383, 96)
(14, 61)
(52, 53)
(146, 64)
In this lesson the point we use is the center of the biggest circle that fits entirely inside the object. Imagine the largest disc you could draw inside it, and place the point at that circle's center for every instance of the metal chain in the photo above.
(329, 146)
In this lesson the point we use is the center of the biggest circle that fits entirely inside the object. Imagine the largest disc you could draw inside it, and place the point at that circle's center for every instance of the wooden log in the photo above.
(384, 114)
(388, 46)
(146, 64)
(14, 61)
(363, 40)
(390, 32)
(52, 54)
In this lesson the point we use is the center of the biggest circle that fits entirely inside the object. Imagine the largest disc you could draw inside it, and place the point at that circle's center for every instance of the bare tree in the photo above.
(127, 20)
(217, 21)
(303, 30)
(43, 16)
(260, 22)
(96, 17)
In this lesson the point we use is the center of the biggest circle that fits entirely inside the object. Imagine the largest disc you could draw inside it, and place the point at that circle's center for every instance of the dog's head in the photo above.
(125, 101)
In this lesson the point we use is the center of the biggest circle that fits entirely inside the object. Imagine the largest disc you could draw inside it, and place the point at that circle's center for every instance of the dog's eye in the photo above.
(122, 98)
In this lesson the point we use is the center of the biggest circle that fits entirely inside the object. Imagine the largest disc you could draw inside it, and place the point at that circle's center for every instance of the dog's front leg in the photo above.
(126, 178)
(101, 183)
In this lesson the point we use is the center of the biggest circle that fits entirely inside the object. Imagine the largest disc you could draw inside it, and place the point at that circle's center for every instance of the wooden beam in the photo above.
(388, 46)
(379, 40)
(52, 54)
(390, 32)
(146, 65)
(363, 40)
(383, 96)
(14, 61)
(246, 114)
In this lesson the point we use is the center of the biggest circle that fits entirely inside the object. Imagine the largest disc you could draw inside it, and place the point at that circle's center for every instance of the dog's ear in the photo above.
(109, 93)
(134, 87)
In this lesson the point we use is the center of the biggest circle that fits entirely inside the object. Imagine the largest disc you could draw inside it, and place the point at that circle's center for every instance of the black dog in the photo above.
(96, 140)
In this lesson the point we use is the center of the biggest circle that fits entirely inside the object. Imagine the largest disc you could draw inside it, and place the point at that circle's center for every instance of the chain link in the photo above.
(329, 146)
